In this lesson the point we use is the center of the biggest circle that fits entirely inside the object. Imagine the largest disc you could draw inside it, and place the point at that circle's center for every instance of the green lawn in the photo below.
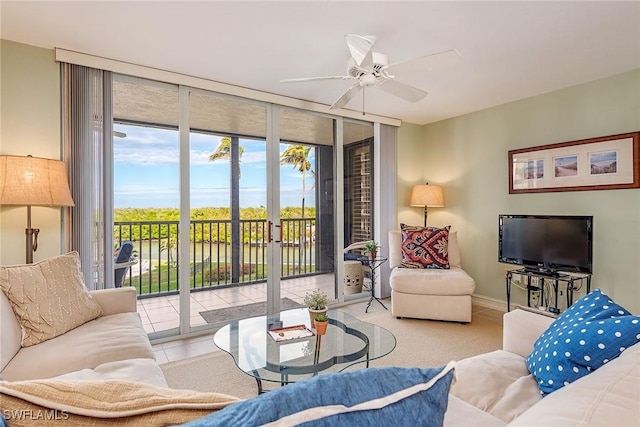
(164, 278)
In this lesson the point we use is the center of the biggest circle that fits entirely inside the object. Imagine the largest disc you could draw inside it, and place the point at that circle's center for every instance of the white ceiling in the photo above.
(511, 50)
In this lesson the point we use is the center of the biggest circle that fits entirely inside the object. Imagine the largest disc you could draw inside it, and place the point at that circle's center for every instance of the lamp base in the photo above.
(32, 242)
(31, 238)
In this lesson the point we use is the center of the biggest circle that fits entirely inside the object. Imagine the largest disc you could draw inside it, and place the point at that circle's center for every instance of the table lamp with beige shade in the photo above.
(33, 181)
(427, 196)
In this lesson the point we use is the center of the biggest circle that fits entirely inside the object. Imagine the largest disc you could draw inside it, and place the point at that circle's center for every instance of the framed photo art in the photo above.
(604, 163)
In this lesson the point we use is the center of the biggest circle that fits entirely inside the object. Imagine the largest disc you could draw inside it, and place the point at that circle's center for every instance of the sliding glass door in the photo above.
(358, 200)
(306, 203)
(231, 204)
(146, 195)
(229, 231)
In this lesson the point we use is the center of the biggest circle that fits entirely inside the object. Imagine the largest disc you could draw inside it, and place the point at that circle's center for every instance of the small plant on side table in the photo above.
(316, 302)
(371, 249)
(321, 322)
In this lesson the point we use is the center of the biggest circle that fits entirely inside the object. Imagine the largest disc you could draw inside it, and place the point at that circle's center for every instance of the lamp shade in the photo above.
(33, 181)
(427, 195)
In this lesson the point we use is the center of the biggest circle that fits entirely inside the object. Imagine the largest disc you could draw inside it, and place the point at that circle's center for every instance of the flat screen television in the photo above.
(546, 243)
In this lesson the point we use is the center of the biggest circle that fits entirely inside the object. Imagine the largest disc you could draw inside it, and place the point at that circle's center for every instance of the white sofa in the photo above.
(113, 346)
(435, 294)
(496, 389)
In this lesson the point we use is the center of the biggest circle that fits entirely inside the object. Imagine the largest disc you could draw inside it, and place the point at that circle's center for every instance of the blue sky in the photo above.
(146, 172)
(606, 157)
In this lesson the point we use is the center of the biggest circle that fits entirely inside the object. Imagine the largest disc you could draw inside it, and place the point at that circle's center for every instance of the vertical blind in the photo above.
(385, 188)
(87, 147)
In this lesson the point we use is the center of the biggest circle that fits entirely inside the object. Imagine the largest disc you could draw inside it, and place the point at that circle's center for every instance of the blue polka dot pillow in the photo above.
(590, 333)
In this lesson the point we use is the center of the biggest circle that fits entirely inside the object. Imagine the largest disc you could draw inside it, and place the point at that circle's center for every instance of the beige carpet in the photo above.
(210, 372)
(420, 343)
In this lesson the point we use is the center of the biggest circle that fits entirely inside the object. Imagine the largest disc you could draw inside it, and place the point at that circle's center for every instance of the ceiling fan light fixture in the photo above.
(368, 80)
(371, 68)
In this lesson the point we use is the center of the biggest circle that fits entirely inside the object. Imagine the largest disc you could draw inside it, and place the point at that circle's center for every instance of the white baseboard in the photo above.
(486, 302)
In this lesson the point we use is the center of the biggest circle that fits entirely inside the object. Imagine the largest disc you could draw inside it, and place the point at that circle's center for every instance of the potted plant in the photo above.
(316, 302)
(371, 248)
(321, 322)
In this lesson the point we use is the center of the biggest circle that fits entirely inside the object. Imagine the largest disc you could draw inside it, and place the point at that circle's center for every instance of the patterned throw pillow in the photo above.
(590, 333)
(49, 298)
(425, 247)
(363, 397)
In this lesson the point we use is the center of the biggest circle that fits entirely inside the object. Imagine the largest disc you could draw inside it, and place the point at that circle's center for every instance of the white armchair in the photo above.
(430, 293)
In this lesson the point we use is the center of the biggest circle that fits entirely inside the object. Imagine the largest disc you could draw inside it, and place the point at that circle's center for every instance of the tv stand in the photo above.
(545, 273)
(570, 281)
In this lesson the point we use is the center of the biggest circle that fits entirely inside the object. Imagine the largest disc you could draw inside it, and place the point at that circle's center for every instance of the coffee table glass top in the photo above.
(348, 341)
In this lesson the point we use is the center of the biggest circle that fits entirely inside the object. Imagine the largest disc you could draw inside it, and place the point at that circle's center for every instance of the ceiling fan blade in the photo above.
(311, 79)
(346, 97)
(361, 49)
(427, 62)
(401, 90)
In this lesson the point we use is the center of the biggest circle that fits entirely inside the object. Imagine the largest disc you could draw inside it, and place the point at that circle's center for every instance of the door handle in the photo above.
(270, 225)
(280, 234)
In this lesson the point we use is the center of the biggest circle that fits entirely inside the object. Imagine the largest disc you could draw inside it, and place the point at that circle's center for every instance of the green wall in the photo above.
(29, 125)
(468, 156)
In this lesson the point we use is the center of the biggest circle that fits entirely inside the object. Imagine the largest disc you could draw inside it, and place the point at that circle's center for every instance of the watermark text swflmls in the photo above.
(35, 414)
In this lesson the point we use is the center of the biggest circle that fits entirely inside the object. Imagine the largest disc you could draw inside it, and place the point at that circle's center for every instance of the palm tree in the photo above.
(224, 151)
(298, 157)
(169, 245)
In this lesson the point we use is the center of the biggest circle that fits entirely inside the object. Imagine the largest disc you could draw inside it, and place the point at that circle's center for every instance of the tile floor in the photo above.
(161, 313)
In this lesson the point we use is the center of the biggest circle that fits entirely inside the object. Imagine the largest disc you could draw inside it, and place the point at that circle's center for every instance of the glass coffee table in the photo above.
(348, 341)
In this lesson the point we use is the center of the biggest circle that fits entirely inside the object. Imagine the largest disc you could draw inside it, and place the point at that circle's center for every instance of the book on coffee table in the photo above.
(290, 333)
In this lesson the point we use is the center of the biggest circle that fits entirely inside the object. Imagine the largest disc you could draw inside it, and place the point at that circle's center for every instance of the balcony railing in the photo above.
(222, 253)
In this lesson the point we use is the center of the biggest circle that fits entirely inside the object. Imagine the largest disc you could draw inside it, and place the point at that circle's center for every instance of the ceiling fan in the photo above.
(372, 69)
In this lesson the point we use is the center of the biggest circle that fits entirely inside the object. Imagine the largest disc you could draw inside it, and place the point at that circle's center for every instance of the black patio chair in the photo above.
(122, 261)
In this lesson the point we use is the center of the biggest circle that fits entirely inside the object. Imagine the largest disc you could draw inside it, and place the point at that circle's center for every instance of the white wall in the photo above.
(468, 156)
(29, 124)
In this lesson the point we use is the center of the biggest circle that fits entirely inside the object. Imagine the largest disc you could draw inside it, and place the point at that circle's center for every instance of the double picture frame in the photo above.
(603, 163)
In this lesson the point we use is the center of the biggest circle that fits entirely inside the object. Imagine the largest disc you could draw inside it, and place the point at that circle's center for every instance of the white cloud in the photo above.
(146, 146)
